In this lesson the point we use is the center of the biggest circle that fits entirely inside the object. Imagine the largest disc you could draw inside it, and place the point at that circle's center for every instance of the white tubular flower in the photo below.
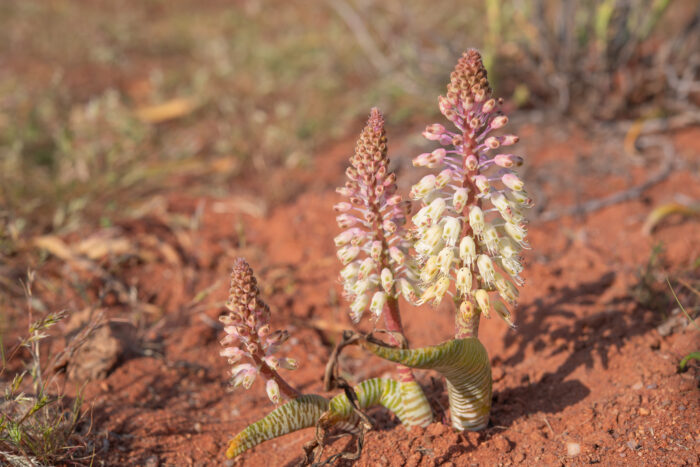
(464, 281)
(443, 179)
(350, 272)
(423, 188)
(482, 300)
(407, 290)
(451, 230)
(378, 303)
(367, 267)
(431, 241)
(513, 267)
(521, 198)
(516, 232)
(512, 181)
(375, 250)
(397, 256)
(435, 209)
(445, 260)
(506, 290)
(288, 363)
(348, 253)
(482, 183)
(467, 250)
(476, 220)
(490, 237)
(507, 248)
(244, 374)
(486, 270)
(430, 269)
(459, 199)
(358, 307)
(273, 391)
(387, 279)
(502, 312)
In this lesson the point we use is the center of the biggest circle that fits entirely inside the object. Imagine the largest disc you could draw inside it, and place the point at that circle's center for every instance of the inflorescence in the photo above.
(470, 228)
(248, 335)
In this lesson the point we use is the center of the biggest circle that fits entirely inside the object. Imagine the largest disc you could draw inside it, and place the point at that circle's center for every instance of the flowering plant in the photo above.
(464, 241)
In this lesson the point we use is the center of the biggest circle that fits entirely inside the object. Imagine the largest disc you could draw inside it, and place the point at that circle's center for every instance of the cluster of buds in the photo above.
(372, 247)
(470, 228)
(248, 336)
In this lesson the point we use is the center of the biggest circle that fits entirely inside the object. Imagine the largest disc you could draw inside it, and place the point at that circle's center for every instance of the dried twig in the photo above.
(621, 196)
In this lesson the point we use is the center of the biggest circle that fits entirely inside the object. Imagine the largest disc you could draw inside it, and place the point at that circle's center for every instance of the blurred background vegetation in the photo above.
(103, 103)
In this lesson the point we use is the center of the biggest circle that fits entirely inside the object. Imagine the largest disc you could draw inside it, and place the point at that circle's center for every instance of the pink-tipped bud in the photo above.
(393, 200)
(446, 140)
(346, 221)
(273, 391)
(232, 353)
(488, 106)
(445, 106)
(342, 207)
(472, 162)
(509, 140)
(351, 173)
(264, 331)
(492, 142)
(499, 122)
(389, 226)
(508, 160)
(434, 132)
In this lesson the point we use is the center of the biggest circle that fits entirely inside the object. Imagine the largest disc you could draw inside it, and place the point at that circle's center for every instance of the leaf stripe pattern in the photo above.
(403, 399)
(465, 365)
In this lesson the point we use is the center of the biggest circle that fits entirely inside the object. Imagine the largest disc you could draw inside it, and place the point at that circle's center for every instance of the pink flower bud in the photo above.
(509, 140)
(488, 106)
(434, 132)
(472, 162)
(499, 122)
(492, 142)
(342, 207)
(346, 220)
(393, 200)
(389, 226)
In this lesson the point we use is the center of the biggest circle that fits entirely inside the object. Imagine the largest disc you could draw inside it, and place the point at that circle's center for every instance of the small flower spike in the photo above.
(372, 246)
(248, 336)
(470, 229)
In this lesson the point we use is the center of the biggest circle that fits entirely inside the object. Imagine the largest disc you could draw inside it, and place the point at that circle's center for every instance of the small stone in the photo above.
(652, 386)
(632, 444)
(643, 411)
(638, 386)
(573, 449)
(198, 427)
(152, 461)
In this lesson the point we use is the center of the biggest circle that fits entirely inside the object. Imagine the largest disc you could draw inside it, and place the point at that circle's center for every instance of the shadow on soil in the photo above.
(584, 339)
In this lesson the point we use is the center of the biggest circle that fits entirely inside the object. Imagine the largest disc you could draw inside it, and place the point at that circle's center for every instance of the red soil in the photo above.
(585, 378)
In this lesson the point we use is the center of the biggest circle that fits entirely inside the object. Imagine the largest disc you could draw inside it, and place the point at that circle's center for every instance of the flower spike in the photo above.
(474, 200)
(247, 327)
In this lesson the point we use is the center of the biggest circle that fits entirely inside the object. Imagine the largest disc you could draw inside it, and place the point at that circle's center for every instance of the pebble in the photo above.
(152, 461)
(643, 411)
(638, 386)
(652, 386)
(632, 444)
(573, 449)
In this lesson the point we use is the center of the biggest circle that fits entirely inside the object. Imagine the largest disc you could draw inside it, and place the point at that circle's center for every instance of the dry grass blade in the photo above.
(659, 213)
(170, 110)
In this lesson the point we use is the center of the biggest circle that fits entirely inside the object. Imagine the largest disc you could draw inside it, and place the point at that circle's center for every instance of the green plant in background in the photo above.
(464, 241)
(37, 427)
(692, 355)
